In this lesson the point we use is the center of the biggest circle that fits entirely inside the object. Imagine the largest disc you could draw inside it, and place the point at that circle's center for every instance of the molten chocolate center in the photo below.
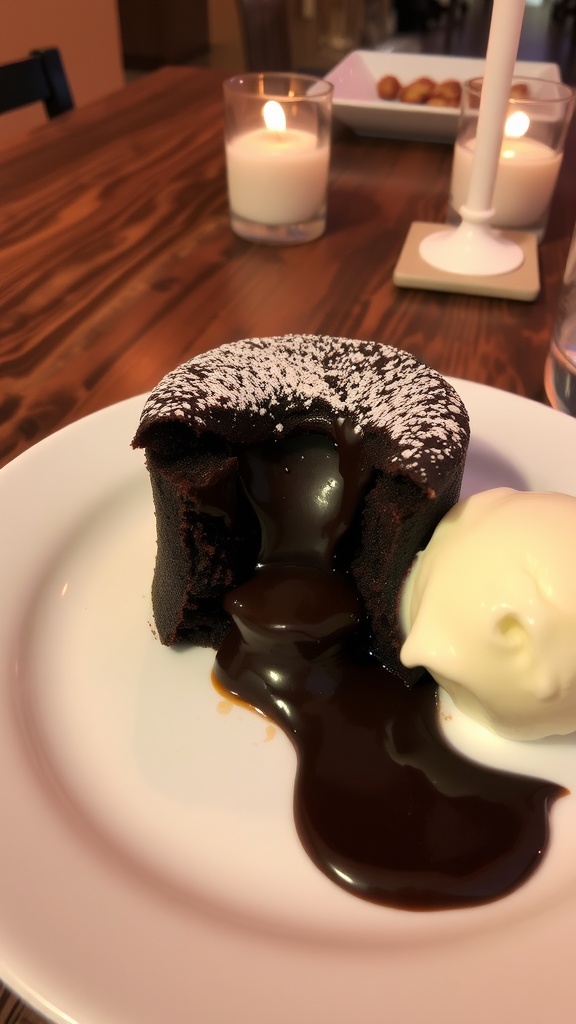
(383, 805)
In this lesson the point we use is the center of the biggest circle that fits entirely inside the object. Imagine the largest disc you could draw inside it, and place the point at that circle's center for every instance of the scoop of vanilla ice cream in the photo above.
(489, 608)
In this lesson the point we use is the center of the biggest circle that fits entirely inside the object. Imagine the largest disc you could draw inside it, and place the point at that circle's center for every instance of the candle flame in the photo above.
(516, 125)
(274, 116)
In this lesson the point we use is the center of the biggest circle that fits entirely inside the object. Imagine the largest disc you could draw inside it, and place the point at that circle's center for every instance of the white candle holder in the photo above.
(277, 135)
(472, 248)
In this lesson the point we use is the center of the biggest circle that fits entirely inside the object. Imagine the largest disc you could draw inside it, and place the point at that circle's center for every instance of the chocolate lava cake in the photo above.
(411, 432)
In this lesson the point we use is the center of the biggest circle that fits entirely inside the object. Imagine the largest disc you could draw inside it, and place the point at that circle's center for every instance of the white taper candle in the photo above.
(505, 29)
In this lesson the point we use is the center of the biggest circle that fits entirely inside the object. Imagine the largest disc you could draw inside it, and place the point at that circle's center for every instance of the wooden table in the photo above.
(117, 262)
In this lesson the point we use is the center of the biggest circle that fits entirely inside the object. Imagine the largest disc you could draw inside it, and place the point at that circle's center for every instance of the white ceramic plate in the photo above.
(356, 102)
(149, 868)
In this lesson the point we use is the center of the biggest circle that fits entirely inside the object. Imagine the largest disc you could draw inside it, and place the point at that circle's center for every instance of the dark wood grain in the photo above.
(117, 262)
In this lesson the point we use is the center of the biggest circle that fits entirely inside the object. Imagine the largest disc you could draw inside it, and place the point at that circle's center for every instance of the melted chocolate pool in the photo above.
(382, 804)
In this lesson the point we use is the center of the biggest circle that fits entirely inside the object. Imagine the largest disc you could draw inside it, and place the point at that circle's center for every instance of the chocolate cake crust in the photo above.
(251, 390)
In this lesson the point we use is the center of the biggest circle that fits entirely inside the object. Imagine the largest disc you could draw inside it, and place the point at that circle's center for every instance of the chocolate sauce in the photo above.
(382, 804)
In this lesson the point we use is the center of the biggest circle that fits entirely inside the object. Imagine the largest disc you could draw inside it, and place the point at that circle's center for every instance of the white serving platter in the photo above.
(357, 104)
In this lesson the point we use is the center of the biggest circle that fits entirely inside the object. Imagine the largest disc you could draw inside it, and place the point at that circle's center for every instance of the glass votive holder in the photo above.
(537, 120)
(277, 137)
(560, 371)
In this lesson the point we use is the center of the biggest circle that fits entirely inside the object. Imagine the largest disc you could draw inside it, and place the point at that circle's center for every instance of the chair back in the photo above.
(39, 78)
(265, 29)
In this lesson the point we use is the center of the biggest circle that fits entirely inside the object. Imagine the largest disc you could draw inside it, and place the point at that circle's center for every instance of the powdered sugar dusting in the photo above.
(377, 386)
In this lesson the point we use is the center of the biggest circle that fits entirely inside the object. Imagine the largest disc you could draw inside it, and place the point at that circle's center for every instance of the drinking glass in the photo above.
(560, 372)
(340, 23)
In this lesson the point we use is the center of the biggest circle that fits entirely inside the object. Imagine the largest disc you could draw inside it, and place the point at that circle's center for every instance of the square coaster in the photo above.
(412, 271)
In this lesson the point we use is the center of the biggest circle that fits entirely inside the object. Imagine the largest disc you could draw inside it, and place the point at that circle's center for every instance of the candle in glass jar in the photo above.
(277, 175)
(525, 180)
